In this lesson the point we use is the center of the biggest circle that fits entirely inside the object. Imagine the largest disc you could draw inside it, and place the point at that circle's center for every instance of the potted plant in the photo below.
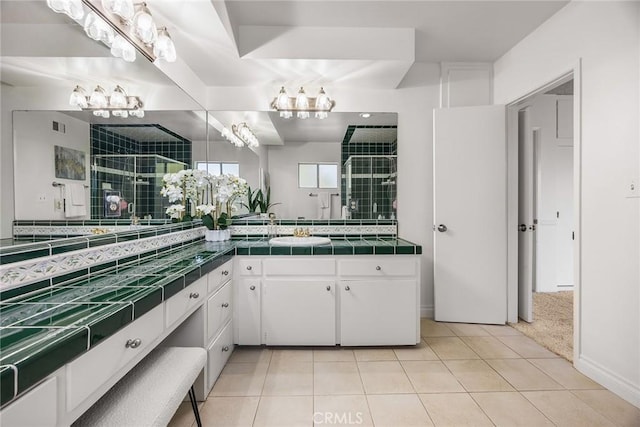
(264, 201)
(253, 199)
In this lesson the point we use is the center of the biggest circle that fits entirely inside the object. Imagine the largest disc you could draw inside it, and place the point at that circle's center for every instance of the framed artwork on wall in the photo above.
(70, 163)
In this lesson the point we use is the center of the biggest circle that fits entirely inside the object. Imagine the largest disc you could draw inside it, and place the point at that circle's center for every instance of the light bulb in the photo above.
(302, 102)
(118, 98)
(78, 98)
(97, 29)
(303, 115)
(143, 26)
(122, 8)
(322, 101)
(98, 98)
(137, 113)
(72, 8)
(164, 48)
(321, 115)
(282, 102)
(121, 48)
(286, 114)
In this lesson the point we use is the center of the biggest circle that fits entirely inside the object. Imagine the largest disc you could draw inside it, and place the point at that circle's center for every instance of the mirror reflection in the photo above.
(340, 167)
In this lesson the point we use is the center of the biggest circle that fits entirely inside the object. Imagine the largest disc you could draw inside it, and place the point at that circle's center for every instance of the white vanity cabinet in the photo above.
(299, 312)
(379, 300)
(247, 296)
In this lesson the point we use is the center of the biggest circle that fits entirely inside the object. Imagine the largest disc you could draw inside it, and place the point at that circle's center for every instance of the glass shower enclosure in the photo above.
(127, 185)
(371, 186)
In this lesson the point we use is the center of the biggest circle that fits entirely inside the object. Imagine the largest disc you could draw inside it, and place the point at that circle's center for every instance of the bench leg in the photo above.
(194, 405)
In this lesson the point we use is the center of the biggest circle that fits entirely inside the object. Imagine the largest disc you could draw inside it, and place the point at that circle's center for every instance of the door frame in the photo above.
(575, 72)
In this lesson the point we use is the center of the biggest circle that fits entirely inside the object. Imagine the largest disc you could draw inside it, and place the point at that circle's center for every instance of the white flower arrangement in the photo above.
(207, 193)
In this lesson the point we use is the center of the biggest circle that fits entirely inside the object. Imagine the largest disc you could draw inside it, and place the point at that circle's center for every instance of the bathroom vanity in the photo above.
(76, 319)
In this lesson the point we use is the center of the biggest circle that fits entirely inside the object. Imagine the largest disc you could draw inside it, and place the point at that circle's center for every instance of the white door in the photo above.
(526, 223)
(470, 214)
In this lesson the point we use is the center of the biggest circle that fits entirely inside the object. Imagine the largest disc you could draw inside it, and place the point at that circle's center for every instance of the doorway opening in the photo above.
(546, 217)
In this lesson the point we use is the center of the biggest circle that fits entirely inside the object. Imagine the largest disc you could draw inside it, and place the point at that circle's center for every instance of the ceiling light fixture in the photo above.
(243, 132)
(118, 103)
(232, 138)
(302, 105)
(121, 25)
(365, 115)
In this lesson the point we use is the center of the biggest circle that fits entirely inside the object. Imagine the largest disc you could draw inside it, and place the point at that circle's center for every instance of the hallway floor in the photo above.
(460, 375)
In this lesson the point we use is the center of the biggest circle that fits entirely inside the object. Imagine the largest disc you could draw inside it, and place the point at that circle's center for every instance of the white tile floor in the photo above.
(460, 375)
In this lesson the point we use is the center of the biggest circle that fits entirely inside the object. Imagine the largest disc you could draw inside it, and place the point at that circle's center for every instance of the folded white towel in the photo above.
(324, 205)
(75, 203)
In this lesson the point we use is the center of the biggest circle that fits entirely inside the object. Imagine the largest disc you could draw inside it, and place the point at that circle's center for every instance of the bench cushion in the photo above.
(150, 394)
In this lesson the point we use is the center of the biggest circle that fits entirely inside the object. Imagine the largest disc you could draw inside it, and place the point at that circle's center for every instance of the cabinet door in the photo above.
(219, 309)
(247, 312)
(299, 312)
(378, 312)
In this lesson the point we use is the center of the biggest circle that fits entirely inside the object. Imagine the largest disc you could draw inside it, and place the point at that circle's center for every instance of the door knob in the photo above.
(253, 288)
(523, 227)
(328, 287)
(442, 228)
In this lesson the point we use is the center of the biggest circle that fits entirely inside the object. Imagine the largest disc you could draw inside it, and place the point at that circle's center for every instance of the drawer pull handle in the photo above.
(346, 288)
(194, 295)
(225, 348)
(225, 304)
(378, 268)
(225, 273)
(249, 267)
(133, 343)
(328, 287)
(253, 288)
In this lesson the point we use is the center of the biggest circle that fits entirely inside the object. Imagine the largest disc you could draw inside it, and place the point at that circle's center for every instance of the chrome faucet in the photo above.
(272, 228)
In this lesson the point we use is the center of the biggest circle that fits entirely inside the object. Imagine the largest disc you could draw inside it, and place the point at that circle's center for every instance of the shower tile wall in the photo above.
(369, 190)
(104, 141)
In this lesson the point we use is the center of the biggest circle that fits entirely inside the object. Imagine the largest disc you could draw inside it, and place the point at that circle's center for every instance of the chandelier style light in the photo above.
(124, 26)
(240, 135)
(118, 103)
(302, 105)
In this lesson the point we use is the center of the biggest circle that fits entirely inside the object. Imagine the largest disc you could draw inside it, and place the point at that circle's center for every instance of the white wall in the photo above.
(283, 175)
(34, 142)
(604, 36)
(554, 249)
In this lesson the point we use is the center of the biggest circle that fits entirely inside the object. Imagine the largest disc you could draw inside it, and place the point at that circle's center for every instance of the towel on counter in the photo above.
(324, 205)
(75, 204)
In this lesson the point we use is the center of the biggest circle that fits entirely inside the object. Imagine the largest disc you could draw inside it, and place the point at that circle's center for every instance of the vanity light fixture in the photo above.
(243, 132)
(122, 25)
(365, 115)
(302, 105)
(232, 138)
(118, 103)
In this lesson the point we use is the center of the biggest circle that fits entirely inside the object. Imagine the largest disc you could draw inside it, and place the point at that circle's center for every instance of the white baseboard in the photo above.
(615, 383)
(426, 311)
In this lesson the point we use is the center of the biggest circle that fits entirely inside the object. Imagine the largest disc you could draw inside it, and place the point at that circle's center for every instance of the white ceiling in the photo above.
(369, 44)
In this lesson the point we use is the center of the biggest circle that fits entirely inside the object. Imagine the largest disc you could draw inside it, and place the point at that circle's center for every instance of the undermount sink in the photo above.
(299, 241)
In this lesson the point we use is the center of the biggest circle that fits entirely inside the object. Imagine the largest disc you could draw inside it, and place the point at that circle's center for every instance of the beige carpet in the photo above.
(552, 324)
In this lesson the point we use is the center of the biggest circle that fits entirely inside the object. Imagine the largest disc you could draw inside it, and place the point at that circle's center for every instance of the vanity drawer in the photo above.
(219, 309)
(191, 296)
(299, 267)
(219, 352)
(39, 407)
(378, 266)
(249, 266)
(91, 370)
(219, 276)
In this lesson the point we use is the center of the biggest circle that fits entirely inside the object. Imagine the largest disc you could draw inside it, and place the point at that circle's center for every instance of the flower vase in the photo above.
(227, 234)
(212, 235)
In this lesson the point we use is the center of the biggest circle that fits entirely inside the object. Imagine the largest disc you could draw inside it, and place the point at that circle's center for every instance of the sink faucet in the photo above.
(272, 228)
(135, 220)
(301, 232)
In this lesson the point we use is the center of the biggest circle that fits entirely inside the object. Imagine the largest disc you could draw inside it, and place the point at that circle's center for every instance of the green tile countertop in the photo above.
(43, 329)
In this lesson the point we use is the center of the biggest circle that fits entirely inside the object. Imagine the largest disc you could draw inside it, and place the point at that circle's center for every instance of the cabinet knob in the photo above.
(346, 288)
(249, 267)
(328, 287)
(378, 268)
(225, 348)
(253, 288)
(225, 273)
(194, 295)
(133, 343)
(225, 304)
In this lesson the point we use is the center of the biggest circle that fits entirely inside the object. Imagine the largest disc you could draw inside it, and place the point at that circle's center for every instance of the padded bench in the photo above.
(150, 394)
